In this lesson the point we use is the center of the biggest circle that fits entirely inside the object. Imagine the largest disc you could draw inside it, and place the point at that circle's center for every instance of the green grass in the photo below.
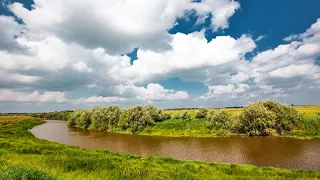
(308, 125)
(22, 156)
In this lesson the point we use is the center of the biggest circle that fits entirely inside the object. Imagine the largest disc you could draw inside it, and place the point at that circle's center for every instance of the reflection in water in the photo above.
(260, 151)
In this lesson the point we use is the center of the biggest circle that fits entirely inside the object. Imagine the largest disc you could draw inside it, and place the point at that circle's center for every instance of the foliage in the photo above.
(219, 120)
(136, 118)
(104, 118)
(57, 115)
(261, 117)
(154, 112)
(201, 112)
(176, 116)
(24, 156)
(165, 116)
(256, 119)
(286, 116)
(185, 115)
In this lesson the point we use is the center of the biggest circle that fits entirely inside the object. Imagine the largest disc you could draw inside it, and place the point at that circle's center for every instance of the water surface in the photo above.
(260, 151)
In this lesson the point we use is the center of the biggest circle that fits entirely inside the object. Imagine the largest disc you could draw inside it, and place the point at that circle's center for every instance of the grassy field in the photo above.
(308, 125)
(22, 156)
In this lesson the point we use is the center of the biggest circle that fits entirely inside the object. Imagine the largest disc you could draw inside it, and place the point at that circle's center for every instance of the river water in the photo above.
(260, 151)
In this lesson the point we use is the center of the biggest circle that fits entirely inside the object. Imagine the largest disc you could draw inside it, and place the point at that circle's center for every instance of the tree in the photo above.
(201, 112)
(105, 117)
(154, 112)
(286, 116)
(185, 115)
(256, 119)
(136, 118)
(219, 120)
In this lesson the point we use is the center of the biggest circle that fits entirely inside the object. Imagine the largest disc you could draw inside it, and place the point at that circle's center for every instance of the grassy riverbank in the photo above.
(22, 156)
(308, 124)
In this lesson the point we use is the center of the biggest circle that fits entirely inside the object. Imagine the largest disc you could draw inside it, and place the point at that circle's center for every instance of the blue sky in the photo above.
(77, 54)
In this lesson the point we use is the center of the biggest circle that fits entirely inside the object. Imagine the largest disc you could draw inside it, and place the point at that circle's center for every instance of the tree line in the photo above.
(256, 119)
(132, 119)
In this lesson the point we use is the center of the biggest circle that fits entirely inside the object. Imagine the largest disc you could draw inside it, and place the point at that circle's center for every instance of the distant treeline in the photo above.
(57, 115)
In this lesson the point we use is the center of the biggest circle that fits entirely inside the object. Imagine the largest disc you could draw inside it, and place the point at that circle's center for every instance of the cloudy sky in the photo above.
(69, 54)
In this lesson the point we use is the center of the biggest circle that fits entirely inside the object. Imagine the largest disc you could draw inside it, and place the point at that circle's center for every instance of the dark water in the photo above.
(259, 151)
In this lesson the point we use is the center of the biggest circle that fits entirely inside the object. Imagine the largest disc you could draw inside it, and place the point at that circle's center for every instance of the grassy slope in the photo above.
(310, 118)
(25, 157)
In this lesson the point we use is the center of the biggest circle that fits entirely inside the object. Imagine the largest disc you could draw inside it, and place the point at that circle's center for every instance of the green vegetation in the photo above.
(256, 119)
(22, 156)
(57, 115)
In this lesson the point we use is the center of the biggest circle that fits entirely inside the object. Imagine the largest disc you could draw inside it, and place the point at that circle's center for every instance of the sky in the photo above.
(70, 54)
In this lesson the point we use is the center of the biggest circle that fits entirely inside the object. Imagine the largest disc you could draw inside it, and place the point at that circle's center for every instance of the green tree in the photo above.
(256, 119)
(201, 112)
(154, 112)
(286, 116)
(185, 115)
(219, 120)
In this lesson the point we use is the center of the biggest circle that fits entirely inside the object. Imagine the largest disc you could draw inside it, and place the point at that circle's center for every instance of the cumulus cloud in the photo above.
(78, 47)
(116, 26)
(189, 53)
(17, 96)
(9, 31)
(225, 91)
(100, 99)
(314, 29)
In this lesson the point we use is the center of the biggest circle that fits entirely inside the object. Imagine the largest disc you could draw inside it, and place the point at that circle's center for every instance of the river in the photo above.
(260, 151)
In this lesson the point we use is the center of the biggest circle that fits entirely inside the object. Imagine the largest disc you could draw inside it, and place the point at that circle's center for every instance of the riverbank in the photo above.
(22, 155)
(301, 122)
(308, 125)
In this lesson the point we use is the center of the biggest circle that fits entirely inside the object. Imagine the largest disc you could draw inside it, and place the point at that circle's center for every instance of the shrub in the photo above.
(219, 120)
(201, 112)
(165, 116)
(136, 119)
(154, 112)
(84, 120)
(286, 116)
(255, 119)
(176, 116)
(105, 117)
(185, 115)
(73, 119)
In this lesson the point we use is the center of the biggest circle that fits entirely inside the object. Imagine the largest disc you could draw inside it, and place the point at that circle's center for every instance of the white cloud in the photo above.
(48, 96)
(259, 38)
(221, 11)
(189, 53)
(115, 25)
(153, 92)
(8, 31)
(81, 67)
(315, 28)
(225, 91)
(295, 70)
(100, 99)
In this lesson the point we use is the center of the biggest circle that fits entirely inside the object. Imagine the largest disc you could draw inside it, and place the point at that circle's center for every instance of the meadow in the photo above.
(308, 125)
(22, 156)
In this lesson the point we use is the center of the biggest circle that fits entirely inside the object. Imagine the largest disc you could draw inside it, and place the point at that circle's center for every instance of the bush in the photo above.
(185, 115)
(165, 116)
(286, 116)
(176, 116)
(255, 119)
(154, 112)
(84, 120)
(136, 119)
(219, 120)
(74, 118)
(201, 112)
(105, 117)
